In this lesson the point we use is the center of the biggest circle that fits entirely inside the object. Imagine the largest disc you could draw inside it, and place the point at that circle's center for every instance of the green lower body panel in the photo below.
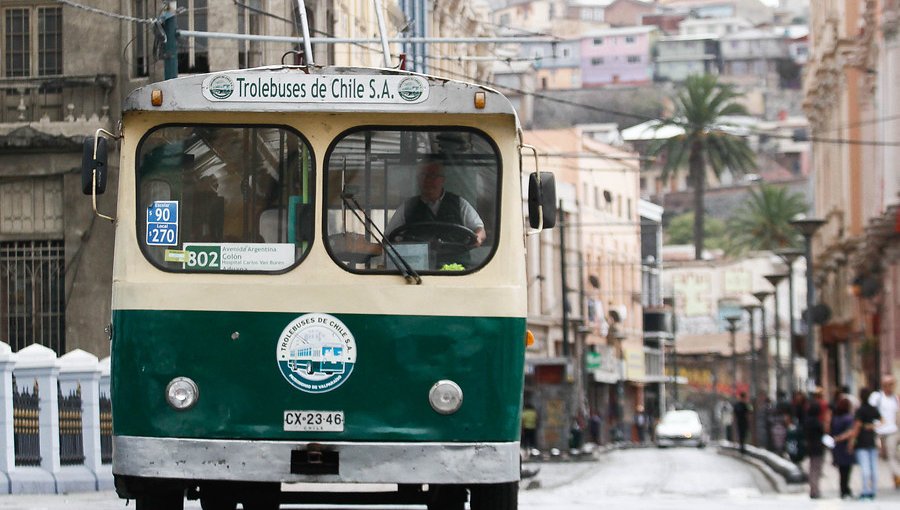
(251, 368)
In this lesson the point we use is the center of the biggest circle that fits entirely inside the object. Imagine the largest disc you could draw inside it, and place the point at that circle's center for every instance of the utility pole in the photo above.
(562, 277)
(170, 28)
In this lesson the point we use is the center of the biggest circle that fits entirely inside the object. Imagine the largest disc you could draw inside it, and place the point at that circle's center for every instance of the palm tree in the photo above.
(699, 107)
(762, 223)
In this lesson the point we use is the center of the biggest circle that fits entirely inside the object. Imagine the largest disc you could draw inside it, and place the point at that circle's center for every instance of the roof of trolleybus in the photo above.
(327, 89)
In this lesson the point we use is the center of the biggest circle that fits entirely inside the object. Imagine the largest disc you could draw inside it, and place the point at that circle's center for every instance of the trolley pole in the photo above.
(170, 27)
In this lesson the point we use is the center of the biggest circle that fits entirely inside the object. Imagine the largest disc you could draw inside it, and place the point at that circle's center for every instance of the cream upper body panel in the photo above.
(320, 283)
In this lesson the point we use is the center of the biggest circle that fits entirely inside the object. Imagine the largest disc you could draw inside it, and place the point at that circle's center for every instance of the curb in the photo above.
(785, 476)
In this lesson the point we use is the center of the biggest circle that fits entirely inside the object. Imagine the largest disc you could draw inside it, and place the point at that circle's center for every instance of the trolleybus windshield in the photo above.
(224, 198)
(432, 192)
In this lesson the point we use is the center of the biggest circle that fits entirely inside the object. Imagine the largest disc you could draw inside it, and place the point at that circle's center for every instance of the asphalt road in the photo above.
(648, 478)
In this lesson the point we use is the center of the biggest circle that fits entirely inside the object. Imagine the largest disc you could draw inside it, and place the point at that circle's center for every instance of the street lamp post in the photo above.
(754, 376)
(789, 256)
(732, 328)
(775, 279)
(807, 227)
(761, 296)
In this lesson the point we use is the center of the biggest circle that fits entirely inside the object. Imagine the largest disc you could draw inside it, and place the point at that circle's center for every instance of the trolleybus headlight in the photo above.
(445, 396)
(182, 393)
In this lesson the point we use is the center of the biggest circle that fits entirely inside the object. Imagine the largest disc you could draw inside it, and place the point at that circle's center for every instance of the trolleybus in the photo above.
(288, 307)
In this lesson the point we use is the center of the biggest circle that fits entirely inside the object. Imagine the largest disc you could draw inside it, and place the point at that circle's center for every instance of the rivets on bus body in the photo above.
(156, 97)
(529, 338)
(479, 100)
(235, 335)
(445, 396)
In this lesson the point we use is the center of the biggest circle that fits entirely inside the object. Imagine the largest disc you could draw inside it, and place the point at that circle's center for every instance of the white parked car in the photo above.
(681, 427)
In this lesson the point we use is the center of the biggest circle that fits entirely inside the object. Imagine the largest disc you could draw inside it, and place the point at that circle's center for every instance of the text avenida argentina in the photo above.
(320, 88)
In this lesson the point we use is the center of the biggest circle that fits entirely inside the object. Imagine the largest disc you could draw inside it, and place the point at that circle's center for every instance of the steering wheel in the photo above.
(444, 237)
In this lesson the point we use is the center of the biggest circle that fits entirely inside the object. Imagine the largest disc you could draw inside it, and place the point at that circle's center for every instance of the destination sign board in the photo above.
(312, 88)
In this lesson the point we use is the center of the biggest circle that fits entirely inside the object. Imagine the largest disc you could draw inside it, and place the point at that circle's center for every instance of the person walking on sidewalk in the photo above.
(863, 444)
(813, 430)
(888, 405)
(842, 430)
(742, 410)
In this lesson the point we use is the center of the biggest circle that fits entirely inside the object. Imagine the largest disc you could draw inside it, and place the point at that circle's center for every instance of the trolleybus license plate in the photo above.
(314, 421)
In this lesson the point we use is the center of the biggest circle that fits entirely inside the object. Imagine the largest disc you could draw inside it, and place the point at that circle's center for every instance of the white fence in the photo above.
(51, 423)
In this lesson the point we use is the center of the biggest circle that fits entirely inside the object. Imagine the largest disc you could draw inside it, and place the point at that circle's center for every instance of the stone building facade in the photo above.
(852, 97)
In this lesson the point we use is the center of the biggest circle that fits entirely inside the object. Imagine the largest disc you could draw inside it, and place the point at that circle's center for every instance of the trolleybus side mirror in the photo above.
(94, 167)
(93, 159)
(541, 200)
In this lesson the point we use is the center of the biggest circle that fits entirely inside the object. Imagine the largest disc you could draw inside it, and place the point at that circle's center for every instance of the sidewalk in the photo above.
(830, 483)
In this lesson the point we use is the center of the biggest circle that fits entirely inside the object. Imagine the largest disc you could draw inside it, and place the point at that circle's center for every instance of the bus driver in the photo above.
(436, 205)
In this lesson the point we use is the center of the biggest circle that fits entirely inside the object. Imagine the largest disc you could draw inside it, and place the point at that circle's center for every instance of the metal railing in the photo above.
(105, 429)
(26, 426)
(71, 438)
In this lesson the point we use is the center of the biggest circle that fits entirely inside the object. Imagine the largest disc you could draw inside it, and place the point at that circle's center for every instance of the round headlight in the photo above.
(182, 393)
(445, 396)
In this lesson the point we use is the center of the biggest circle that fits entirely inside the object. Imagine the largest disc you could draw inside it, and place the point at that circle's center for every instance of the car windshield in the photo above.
(432, 193)
(224, 198)
(680, 418)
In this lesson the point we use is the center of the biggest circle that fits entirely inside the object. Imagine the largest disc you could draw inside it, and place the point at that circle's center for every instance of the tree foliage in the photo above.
(699, 108)
(762, 222)
(681, 231)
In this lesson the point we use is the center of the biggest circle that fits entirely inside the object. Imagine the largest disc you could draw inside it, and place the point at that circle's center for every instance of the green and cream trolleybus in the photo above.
(319, 278)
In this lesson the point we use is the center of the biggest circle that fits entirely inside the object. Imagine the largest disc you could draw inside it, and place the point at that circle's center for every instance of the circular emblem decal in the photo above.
(221, 87)
(316, 353)
(410, 89)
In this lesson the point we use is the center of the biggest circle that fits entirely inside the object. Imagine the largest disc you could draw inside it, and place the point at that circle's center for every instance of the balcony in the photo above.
(55, 99)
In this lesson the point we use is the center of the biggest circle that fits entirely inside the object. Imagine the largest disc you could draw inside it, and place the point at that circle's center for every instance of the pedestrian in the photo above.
(842, 431)
(529, 427)
(595, 423)
(854, 402)
(888, 405)
(640, 423)
(813, 430)
(725, 413)
(742, 410)
(863, 444)
(798, 408)
(818, 399)
(794, 444)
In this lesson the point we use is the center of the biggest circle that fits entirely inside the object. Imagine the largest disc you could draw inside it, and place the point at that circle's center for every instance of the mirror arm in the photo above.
(537, 169)
(94, 172)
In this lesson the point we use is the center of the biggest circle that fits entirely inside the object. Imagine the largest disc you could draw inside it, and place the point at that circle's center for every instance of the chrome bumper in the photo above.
(270, 461)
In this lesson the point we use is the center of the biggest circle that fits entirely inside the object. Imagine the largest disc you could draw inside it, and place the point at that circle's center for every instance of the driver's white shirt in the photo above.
(471, 219)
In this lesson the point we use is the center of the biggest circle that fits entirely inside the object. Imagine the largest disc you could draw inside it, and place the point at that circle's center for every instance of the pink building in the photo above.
(617, 56)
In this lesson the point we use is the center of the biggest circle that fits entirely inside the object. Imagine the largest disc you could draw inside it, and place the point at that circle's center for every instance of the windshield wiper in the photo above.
(406, 270)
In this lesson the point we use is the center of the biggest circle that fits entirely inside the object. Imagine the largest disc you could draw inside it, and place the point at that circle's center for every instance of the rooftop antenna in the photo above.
(304, 25)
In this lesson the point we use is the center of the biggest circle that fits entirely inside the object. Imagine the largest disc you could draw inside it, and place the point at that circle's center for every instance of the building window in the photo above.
(629, 39)
(32, 309)
(143, 38)
(249, 22)
(193, 52)
(597, 61)
(634, 59)
(504, 20)
(565, 52)
(32, 41)
(598, 41)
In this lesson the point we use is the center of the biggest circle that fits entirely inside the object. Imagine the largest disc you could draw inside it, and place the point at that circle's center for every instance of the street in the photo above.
(644, 478)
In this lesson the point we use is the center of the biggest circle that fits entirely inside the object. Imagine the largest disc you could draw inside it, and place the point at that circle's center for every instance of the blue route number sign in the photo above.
(162, 223)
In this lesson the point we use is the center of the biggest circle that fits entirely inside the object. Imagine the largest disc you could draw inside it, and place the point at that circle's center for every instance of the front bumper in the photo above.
(270, 461)
(679, 440)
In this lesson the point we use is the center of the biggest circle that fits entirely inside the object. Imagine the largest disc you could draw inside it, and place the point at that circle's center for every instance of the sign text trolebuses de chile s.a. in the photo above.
(310, 88)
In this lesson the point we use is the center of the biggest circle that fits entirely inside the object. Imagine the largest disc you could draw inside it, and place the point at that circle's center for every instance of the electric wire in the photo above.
(644, 118)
